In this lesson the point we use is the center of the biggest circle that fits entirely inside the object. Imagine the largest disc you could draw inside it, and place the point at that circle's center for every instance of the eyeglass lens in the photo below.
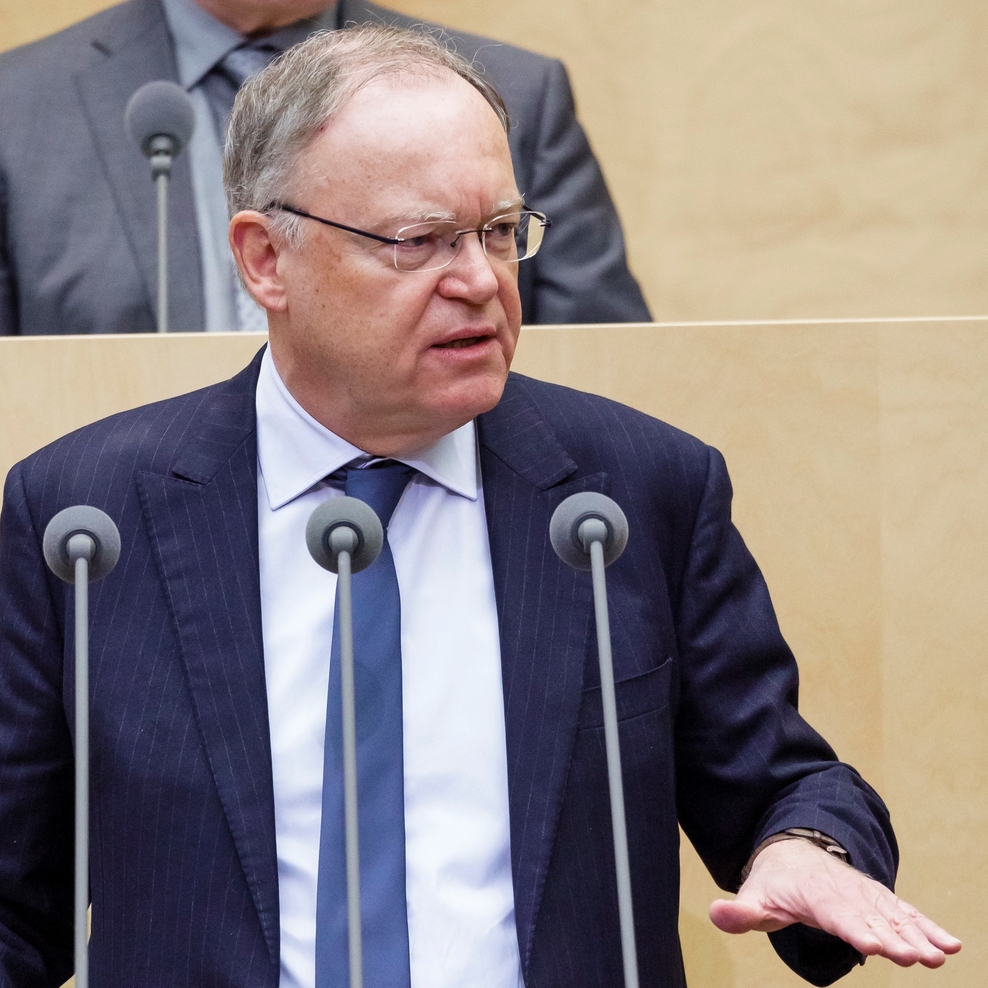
(509, 238)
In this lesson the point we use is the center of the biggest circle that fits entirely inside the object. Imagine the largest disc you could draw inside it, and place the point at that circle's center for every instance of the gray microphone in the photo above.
(344, 535)
(81, 544)
(160, 118)
(589, 531)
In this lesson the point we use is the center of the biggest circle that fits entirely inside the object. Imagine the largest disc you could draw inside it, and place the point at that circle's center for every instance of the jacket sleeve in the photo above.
(36, 762)
(748, 765)
(581, 273)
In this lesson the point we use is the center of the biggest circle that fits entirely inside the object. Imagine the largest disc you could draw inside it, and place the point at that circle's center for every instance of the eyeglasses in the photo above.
(510, 238)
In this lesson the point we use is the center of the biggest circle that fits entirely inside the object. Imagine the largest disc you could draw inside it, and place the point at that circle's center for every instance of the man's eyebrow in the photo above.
(447, 216)
(420, 216)
(508, 205)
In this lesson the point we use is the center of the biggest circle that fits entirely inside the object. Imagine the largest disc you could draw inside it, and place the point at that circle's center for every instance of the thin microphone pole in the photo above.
(81, 543)
(596, 532)
(589, 531)
(81, 548)
(344, 588)
(345, 536)
(161, 118)
(161, 181)
(162, 156)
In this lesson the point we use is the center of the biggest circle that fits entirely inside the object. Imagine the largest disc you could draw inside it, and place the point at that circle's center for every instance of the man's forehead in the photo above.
(423, 147)
(392, 106)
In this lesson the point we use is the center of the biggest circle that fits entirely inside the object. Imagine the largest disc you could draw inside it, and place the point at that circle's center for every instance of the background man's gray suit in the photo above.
(77, 222)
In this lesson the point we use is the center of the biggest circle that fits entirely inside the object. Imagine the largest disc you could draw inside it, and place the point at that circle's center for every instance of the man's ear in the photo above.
(256, 250)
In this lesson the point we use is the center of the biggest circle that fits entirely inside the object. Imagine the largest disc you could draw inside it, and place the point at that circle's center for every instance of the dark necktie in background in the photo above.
(229, 74)
(380, 768)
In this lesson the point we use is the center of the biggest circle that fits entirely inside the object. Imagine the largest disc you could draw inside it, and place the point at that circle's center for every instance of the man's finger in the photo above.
(929, 954)
(932, 941)
(742, 916)
(902, 913)
(938, 936)
(890, 929)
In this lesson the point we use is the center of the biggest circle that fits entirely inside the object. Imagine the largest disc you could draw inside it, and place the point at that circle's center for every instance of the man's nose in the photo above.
(471, 273)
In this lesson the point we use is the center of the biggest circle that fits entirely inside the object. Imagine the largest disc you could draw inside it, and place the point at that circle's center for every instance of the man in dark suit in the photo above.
(390, 287)
(77, 220)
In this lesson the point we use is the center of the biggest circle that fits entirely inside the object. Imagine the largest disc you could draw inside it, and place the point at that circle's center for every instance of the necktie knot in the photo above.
(380, 486)
(247, 60)
(228, 75)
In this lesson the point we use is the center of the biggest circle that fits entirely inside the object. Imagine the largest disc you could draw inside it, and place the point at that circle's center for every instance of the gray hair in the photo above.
(279, 111)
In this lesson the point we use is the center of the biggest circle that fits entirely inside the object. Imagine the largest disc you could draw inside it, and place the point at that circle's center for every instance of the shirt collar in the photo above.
(295, 452)
(201, 40)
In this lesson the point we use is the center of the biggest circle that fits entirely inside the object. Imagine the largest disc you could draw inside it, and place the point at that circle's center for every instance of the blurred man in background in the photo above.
(77, 219)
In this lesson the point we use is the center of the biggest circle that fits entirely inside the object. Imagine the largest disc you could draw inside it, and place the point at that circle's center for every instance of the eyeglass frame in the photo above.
(395, 241)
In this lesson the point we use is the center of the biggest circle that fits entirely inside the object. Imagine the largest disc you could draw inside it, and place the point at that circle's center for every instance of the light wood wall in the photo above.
(859, 455)
(769, 158)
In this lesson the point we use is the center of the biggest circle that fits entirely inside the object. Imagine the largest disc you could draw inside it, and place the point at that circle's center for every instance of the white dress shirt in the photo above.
(461, 920)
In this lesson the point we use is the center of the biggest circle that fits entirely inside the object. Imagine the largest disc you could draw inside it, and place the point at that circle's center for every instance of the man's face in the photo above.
(385, 356)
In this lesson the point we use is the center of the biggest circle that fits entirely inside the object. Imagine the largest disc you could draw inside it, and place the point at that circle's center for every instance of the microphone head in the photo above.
(81, 519)
(352, 513)
(160, 109)
(564, 528)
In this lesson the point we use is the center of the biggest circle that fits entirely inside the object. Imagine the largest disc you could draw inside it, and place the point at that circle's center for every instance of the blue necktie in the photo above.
(380, 768)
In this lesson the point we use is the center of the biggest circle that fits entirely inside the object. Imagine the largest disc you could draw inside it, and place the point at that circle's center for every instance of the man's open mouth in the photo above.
(464, 342)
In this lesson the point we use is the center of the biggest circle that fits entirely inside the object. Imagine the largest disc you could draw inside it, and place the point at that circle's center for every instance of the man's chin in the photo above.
(454, 406)
(468, 399)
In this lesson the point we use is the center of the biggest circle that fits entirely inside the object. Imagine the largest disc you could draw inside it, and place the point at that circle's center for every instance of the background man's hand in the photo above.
(792, 881)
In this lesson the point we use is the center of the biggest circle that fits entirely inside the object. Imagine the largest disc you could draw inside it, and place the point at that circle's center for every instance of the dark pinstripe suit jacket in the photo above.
(184, 875)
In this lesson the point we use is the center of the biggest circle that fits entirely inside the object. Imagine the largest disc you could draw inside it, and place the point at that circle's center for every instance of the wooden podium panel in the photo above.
(859, 454)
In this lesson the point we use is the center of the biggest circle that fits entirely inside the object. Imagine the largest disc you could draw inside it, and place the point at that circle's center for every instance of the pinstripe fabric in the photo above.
(183, 859)
(183, 855)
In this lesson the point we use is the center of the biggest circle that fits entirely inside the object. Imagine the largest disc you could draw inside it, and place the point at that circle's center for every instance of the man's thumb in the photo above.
(737, 916)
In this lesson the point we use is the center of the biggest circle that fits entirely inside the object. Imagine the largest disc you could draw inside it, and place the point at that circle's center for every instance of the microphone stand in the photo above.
(162, 155)
(344, 536)
(81, 548)
(161, 118)
(593, 533)
(342, 542)
(589, 531)
(81, 543)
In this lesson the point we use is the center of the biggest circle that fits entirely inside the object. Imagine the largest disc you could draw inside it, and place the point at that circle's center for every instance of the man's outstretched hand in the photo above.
(792, 881)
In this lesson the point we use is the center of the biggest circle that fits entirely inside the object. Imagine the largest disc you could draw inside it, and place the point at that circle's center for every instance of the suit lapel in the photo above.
(136, 48)
(202, 518)
(545, 612)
